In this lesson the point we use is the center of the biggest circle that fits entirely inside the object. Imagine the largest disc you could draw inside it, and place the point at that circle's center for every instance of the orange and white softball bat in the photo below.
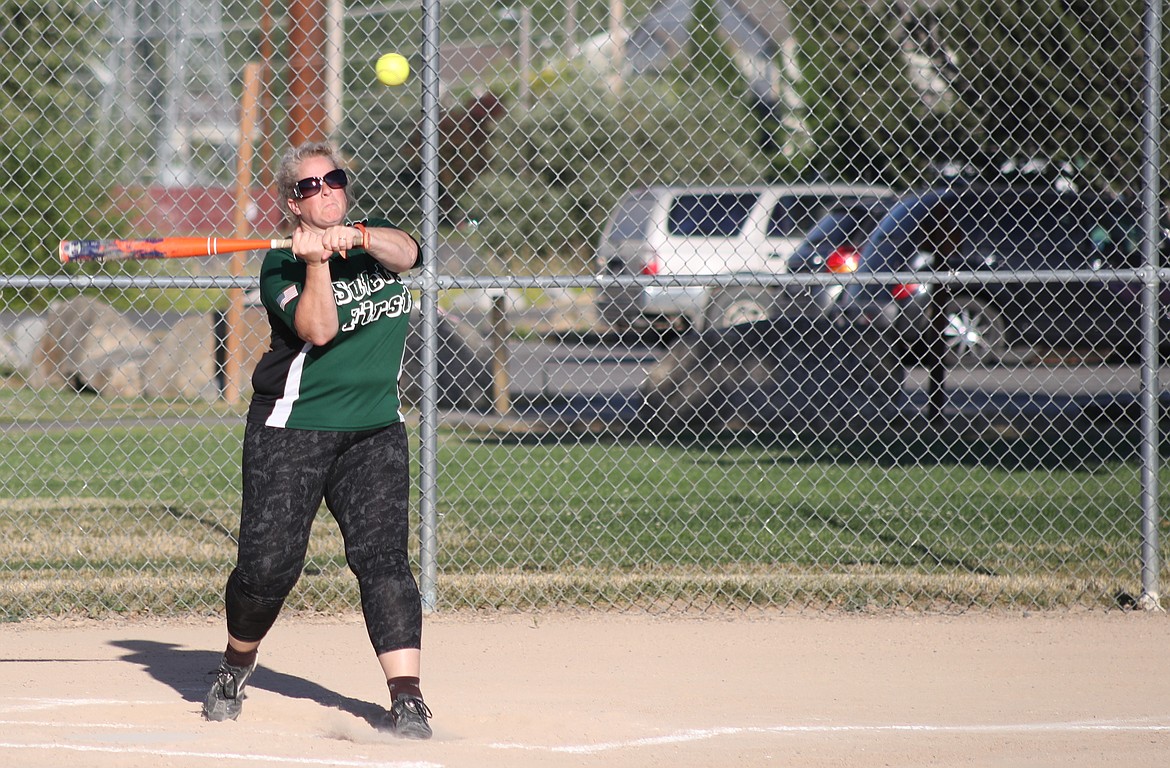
(160, 248)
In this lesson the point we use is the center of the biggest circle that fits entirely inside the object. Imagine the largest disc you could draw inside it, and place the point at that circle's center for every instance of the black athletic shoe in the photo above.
(409, 716)
(226, 697)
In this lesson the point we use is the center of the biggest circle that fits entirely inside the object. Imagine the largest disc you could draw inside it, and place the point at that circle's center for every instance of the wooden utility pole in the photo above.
(307, 110)
(253, 76)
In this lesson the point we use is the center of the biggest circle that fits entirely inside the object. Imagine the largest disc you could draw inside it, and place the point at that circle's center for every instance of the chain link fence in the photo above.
(728, 304)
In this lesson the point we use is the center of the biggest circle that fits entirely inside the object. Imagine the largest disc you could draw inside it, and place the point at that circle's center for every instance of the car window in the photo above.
(981, 221)
(1113, 233)
(1087, 234)
(1010, 230)
(835, 226)
(710, 214)
(1085, 231)
(631, 220)
(1054, 243)
(898, 236)
(849, 223)
(794, 215)
(1127, 234)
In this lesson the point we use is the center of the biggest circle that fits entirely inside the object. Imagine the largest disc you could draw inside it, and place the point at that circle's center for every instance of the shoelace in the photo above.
(229, 685)
(416, 706)
(228, 682)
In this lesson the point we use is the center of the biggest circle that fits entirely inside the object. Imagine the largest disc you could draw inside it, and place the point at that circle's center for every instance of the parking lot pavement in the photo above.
(578, 368)
(552, 367)
(595, 380)
(1082, 379)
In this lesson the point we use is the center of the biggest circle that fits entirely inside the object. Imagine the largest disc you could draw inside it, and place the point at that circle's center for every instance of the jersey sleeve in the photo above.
(282, 278)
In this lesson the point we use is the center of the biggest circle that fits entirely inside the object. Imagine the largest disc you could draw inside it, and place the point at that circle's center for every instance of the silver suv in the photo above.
(698, 231)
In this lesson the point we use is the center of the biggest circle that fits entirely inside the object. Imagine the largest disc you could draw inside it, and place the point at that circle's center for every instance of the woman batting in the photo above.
(324, 424)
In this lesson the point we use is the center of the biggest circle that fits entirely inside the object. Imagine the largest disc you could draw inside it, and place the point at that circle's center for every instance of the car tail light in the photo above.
(904, 291)
(650, 266)
(842, 261)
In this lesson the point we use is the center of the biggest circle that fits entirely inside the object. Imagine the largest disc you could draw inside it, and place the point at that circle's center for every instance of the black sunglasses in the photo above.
(336, 179)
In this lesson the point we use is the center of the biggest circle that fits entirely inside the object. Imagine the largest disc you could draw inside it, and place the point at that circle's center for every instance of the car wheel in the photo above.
(734, 306)
(974, 333)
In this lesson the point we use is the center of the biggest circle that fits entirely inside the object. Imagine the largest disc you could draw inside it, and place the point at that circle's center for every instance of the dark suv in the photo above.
(1014, 231)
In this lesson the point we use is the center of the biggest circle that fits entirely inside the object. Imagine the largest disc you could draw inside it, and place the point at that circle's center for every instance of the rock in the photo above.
(82, 338)
(182, 365)
(23, 338)
(253, 337)
(118, 374)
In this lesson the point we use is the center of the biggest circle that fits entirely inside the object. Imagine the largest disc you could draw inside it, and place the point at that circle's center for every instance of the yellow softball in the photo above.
(392, 69)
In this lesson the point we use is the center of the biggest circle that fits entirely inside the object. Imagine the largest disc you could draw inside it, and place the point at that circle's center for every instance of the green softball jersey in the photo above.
(351, 383)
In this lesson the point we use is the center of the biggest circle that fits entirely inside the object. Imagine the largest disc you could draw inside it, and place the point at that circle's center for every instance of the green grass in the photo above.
(626, 506)
(20, 405)
(133, 509)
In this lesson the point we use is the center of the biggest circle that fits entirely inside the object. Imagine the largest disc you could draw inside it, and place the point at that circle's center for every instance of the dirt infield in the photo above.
(562, 690)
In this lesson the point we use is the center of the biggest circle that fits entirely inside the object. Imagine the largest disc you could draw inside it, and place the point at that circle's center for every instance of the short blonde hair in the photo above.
(288, 174)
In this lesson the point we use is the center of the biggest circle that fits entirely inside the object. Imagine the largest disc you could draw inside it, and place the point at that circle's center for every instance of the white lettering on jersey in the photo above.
(370, 311)
(357, 292)
(364, 285)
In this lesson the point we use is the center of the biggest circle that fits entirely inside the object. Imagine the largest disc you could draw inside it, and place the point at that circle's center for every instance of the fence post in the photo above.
(428, 415)
(501, 384)
(936, 351)
(1151, 298)
(944, 238)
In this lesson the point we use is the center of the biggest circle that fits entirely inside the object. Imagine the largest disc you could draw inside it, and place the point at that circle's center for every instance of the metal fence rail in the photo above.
(628, 389)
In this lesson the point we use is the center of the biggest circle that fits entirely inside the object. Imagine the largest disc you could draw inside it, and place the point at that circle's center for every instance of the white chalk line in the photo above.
(75, 725)
(41, 704)
(682, 737)
(678, 737)
(253, 758)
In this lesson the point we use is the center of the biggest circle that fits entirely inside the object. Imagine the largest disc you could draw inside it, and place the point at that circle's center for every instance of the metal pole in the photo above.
(1150, 299)
(617, 39)
(936, 353)
(525, 56)
(428, 421)
(266, 149)
(570, 25)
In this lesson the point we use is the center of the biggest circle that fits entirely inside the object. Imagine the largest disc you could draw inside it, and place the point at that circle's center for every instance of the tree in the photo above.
(709, 63)
(867, 120)
(1059, 80)
(560, 166)
(49, 190)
